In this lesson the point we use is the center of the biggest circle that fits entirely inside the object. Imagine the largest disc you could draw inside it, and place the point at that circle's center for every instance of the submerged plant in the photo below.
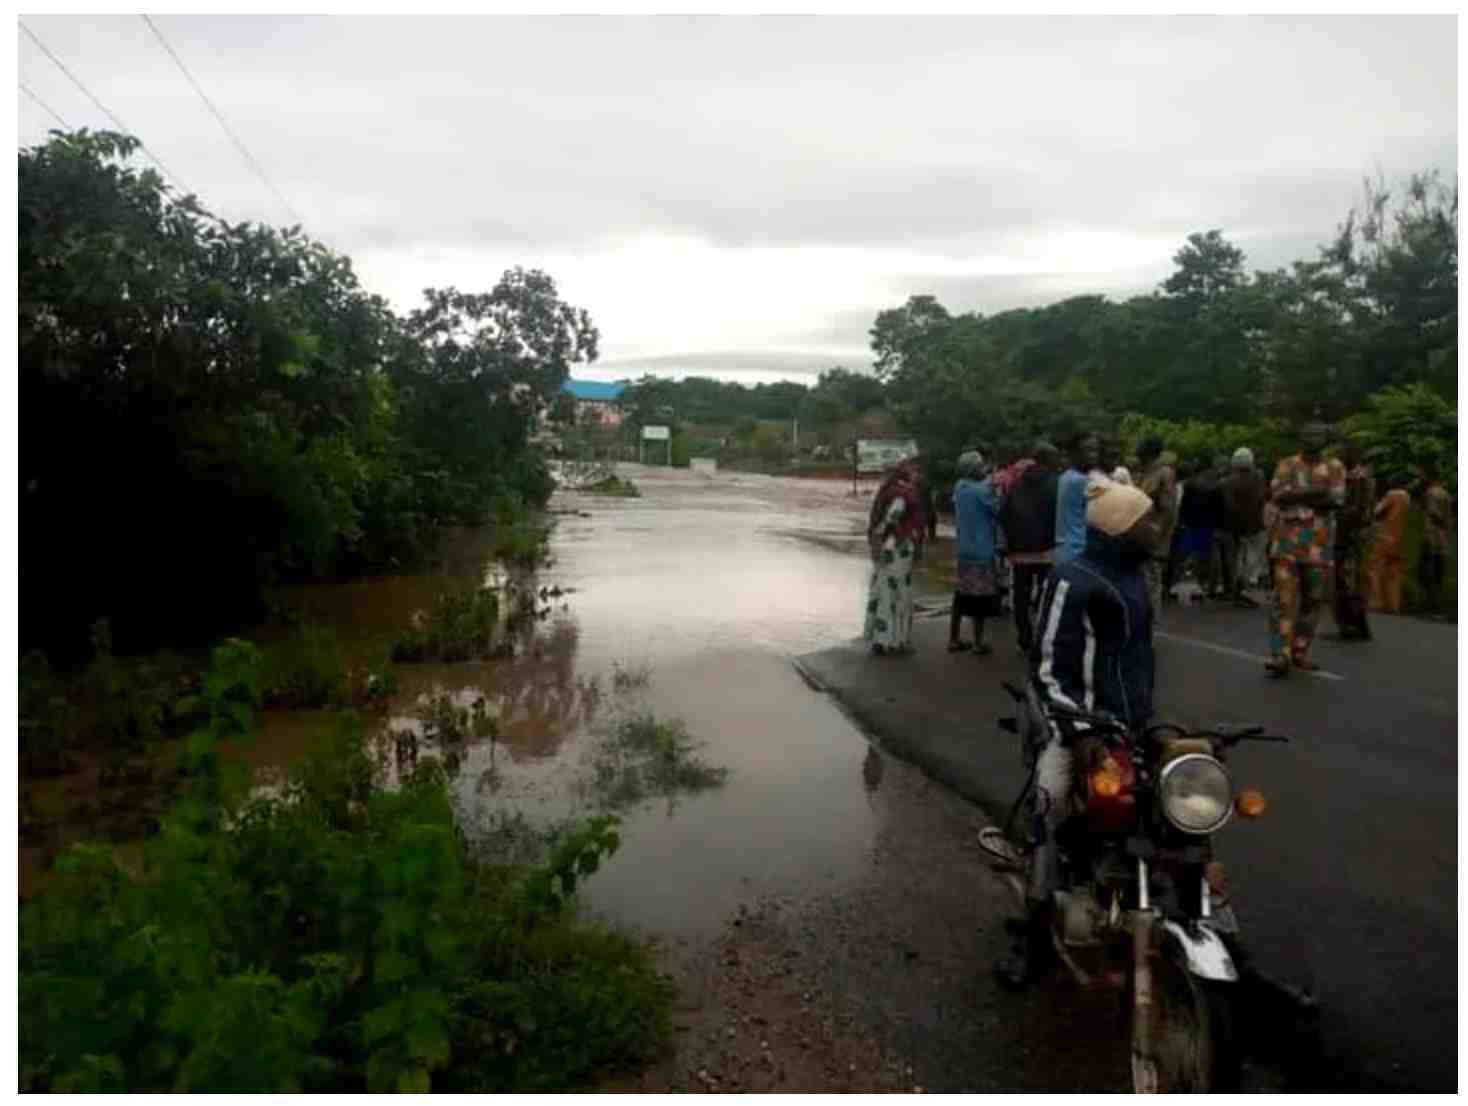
(307, 669)
(460, 627)
(638, 756)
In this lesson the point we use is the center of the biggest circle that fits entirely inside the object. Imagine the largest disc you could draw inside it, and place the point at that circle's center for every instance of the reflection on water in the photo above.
(707, 585)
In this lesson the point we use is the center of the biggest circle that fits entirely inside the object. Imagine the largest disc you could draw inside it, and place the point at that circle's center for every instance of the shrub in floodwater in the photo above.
(445, 728)
(638, 756)
(131, 700)
(613, 485)
(460, 627)
(306, 669)
(523, 544)
(336, 937)
(630, 677)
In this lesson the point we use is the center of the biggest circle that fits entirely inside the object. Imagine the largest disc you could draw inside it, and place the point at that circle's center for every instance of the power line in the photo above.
(123, 127)
(239, 145)
(64, 124)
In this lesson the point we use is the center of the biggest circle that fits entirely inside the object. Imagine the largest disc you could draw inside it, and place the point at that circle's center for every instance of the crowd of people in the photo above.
(1316, 535)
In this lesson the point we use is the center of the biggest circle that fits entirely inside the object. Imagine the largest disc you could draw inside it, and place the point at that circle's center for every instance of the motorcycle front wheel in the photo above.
(1187, 1023)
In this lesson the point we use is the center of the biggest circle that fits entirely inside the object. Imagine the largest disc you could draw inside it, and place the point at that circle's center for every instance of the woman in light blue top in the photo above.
(976, 520)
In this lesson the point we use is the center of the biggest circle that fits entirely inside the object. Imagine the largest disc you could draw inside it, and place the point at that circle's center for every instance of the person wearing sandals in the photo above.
(1306, 491)
(976, 520)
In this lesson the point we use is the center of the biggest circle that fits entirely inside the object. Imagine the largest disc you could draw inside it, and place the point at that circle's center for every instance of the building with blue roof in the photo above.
(596, 400)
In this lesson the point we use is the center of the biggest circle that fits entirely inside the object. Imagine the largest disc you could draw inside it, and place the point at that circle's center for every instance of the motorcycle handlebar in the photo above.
(1228, 734)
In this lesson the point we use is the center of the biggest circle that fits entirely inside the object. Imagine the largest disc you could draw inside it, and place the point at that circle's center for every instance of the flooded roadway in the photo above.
(710, 584)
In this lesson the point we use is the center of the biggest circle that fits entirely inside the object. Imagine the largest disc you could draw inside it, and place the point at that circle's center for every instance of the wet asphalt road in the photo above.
(1347, 886)
(1349, 882)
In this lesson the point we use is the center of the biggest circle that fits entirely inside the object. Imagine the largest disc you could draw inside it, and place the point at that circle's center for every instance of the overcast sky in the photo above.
(739, 196)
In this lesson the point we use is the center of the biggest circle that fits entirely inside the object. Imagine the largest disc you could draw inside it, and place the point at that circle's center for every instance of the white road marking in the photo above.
(1257, 658)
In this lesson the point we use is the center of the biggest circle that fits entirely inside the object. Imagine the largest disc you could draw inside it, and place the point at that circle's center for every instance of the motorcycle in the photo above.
(1142, 904)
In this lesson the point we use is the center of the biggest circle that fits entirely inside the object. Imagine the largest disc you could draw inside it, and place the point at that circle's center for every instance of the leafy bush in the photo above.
(522, 545)
(1199, 443)
(305, 670)
(1404, 429)
(286, 424)
(613, 485)
(131, 700)
(333, 938)
(460, 627)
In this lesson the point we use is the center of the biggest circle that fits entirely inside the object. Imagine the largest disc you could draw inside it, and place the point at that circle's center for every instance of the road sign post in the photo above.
(659, 434)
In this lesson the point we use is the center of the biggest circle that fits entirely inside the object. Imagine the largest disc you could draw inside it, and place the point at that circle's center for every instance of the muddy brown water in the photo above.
(708, 584)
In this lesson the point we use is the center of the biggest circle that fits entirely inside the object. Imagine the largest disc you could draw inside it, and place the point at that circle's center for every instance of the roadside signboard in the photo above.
(875, 454)
(655, 434)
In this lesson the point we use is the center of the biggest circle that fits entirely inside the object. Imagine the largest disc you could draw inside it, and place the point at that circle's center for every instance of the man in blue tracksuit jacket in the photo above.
(1093, 652)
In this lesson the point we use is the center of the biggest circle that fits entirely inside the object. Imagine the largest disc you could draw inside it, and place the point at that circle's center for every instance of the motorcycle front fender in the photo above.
(1206, 955)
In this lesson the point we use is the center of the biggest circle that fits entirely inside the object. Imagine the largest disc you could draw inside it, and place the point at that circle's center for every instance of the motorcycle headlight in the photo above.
(1196, 794)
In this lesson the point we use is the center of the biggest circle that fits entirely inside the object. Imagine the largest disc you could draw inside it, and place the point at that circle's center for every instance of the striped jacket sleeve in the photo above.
(1064, 662)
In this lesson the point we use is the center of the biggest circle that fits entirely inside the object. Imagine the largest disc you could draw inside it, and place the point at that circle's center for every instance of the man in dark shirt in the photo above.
(1244, 495)
(1028, 521)
(1200, 515)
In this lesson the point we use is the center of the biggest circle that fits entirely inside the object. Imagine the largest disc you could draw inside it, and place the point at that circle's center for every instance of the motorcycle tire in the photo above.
(1182, 1054)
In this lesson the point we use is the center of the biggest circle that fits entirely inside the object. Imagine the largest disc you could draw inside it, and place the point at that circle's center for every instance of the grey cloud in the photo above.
(954, 137)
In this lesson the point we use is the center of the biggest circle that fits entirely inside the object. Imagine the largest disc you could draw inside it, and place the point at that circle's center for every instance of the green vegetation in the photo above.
(338, 937)
(1365, 334)
(637, 756)
(612, 485)
(1213, 348)
(259, 418)
(461, 626)
(306, 670)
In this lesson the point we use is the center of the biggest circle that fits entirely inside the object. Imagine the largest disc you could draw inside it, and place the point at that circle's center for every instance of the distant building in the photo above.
(596, 401)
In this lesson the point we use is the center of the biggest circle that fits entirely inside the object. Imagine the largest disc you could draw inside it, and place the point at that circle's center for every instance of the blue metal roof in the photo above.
(594, 389)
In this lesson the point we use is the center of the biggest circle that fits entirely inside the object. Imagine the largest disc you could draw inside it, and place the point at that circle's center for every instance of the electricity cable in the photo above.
(218, 115)
(49, 110)
(121, 126)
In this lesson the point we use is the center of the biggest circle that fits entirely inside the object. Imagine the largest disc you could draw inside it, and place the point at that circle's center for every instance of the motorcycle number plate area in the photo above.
(1207, 955)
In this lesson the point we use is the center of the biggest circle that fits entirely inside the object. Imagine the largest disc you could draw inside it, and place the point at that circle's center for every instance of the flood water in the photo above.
(711, 583)
(703, 589)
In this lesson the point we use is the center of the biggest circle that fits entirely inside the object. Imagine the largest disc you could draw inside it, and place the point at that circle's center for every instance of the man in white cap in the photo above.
(1094, 653)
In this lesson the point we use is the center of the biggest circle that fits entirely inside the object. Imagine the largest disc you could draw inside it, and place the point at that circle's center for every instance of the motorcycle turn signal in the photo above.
(1250, 804)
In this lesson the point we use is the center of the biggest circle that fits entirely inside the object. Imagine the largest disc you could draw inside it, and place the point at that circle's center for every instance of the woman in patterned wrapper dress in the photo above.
(895, 532)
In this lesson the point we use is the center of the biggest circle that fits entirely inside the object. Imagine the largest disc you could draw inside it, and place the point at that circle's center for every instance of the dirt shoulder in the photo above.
(882, 984)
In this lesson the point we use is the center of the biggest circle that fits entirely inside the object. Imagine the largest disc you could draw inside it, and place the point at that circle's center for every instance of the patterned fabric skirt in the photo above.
(976, 578)
(977, 593)
(888, 620)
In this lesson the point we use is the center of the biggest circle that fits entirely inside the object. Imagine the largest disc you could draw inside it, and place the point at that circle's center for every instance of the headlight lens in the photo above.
(1196, 793)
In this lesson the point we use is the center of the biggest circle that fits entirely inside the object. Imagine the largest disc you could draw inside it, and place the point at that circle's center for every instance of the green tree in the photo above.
(1404, 429)
(900, 335)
